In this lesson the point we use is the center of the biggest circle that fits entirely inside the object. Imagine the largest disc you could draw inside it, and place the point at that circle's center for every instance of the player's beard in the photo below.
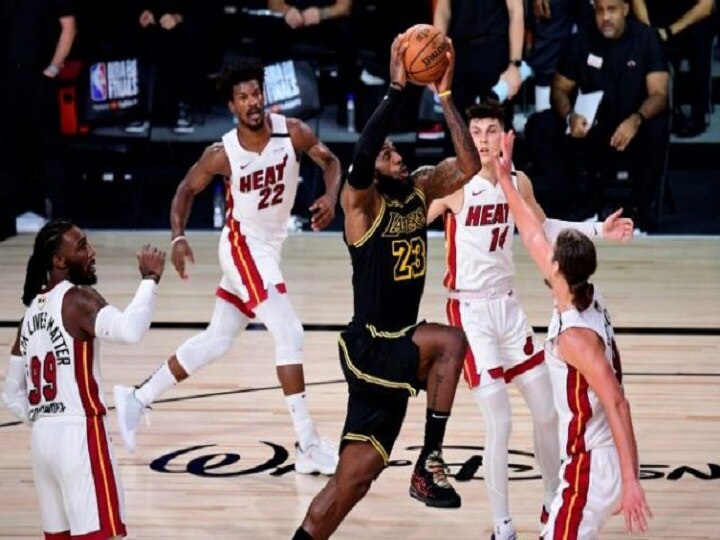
(395, 188)
(78, 275)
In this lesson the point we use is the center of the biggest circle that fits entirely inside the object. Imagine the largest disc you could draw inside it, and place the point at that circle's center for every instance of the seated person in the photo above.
(169, 38)
(624, 59)
(685, 28)
(323, 23)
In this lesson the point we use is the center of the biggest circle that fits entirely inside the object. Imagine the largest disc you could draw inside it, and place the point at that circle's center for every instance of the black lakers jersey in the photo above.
(389, 264)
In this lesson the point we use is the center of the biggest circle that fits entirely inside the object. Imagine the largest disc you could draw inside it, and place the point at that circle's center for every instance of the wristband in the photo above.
(446, 93)
(177, 239)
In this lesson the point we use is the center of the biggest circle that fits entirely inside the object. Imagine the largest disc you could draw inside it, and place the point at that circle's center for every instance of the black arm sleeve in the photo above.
(362, 169)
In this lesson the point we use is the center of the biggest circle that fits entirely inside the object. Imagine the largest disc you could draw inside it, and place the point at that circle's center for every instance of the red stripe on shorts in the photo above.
(244, 262)
(574, 497)
(470, 372)
(527, 365)
(106, 491)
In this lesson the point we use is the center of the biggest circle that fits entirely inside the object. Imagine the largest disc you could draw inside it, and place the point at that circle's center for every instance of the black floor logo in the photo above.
(465, 463)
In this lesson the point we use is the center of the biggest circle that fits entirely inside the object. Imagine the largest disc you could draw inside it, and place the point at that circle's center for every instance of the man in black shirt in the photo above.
(35, 39)
(685, 28)
(385, 354)
(624, 59)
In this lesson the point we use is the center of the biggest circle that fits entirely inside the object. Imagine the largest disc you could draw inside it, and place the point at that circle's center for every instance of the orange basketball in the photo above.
(425, 59)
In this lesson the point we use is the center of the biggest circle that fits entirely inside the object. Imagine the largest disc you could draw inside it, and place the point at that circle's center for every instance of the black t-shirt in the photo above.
(617, 67)
(29, 29)
(665, 12)
(478, 18)
(389, 265)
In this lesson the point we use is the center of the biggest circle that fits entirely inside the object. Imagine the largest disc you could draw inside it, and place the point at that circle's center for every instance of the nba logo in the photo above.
(98, 82)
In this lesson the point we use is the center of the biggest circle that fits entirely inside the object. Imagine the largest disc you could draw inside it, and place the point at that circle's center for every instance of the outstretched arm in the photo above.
(530, 227)
(86, 314)
(359, 198)
(581, 348)
(452, 173)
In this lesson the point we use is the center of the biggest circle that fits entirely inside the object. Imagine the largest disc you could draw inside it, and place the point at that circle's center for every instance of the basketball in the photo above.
(425, 59)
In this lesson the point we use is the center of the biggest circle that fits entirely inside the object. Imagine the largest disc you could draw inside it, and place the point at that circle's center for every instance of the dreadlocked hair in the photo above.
(39, 264)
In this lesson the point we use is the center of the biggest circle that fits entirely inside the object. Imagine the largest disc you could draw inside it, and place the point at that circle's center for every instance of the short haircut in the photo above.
(488, 108)
(243, 71)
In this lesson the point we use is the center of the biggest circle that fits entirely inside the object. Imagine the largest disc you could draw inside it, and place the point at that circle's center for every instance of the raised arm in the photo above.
(581, 348)
(530, 227)
(86, 314)
(441, 16)
(452, 173)
(304, 140)
(359, 198)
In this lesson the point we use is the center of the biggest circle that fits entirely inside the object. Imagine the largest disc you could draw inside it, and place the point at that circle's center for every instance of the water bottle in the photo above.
(218, 207)
(501, 87)
(351, 113)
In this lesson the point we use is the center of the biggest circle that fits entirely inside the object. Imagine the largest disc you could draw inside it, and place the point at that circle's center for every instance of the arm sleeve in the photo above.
(14, 394)
(128, 326)
(553, 227)
(362, 169)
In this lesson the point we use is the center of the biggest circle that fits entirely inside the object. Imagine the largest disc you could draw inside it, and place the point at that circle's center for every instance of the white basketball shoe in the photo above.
(320, 456)
(129, 413)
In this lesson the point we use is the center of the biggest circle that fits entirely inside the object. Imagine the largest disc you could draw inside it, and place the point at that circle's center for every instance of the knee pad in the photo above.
(216, 340)
(202, 349)
(284, 326)
(288, 342)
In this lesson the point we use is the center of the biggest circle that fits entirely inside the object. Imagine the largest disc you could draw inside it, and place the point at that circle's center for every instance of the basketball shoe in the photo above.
(504, 531)
(129, 413)
(429, 483)
(319, 457)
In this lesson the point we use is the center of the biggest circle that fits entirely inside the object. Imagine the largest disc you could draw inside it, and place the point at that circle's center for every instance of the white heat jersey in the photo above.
(582, 420)
(262, 186)
(62, 373)
(484, 229)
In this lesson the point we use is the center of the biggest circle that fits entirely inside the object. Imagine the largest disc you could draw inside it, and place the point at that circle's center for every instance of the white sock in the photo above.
(157, 384)
(542, 98)
(303, 424)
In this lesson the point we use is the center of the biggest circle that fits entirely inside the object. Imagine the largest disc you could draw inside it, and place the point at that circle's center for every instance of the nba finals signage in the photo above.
(114, 85)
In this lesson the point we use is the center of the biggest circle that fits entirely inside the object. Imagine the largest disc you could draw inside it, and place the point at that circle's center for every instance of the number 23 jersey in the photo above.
(389, 264)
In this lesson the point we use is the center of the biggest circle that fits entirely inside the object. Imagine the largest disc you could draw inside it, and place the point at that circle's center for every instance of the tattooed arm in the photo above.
(452, 173)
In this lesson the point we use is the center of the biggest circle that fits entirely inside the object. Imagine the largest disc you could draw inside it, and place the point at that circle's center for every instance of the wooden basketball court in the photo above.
(217, 460)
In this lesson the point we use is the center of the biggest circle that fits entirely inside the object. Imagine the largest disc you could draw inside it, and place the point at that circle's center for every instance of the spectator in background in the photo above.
(554, 21)
(323, 23)
(685, 27)
(488, 39)
(35, 39)
(624, 59)
(170, 39)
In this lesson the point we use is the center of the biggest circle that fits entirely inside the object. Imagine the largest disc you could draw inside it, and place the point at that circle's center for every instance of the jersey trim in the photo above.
(103, 475)
(374, 332)
(372, 228)
(579, 404)
(470, 371)
(450, 251)
(86, 383)
(358, 437)
(246, 266)
(371, 378)
(574, 497)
